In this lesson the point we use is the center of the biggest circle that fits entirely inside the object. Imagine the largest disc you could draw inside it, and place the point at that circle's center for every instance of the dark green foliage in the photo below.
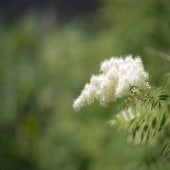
(145, 119)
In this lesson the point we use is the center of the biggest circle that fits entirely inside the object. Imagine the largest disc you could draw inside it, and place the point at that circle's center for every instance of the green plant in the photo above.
(144, 109)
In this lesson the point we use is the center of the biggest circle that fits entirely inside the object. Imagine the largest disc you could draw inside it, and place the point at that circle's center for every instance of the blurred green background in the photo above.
(48, 51)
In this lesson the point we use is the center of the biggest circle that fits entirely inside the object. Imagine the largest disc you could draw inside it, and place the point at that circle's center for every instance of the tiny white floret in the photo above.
(116, 78)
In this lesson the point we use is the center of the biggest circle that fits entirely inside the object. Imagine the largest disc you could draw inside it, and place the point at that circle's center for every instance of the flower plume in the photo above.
(116, 78)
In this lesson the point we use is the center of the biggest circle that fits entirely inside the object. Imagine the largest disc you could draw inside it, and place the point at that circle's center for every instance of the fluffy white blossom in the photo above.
(117, 75)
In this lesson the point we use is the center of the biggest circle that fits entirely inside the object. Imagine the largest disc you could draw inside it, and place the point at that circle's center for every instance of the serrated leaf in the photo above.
(165, 96)
(154, 121)
(163, 120)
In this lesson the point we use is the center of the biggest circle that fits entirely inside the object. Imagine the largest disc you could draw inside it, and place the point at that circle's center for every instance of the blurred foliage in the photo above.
(42, 70)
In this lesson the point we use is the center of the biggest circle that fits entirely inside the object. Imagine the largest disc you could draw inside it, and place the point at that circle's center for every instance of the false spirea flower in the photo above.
(116, 77)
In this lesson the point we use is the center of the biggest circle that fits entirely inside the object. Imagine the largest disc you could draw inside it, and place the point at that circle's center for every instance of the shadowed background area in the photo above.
(48, 51)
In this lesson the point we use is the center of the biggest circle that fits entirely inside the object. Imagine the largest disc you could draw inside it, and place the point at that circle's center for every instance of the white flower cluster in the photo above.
(117, 75)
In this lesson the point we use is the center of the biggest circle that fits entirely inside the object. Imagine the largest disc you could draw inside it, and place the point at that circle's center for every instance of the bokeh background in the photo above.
(48, 51)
